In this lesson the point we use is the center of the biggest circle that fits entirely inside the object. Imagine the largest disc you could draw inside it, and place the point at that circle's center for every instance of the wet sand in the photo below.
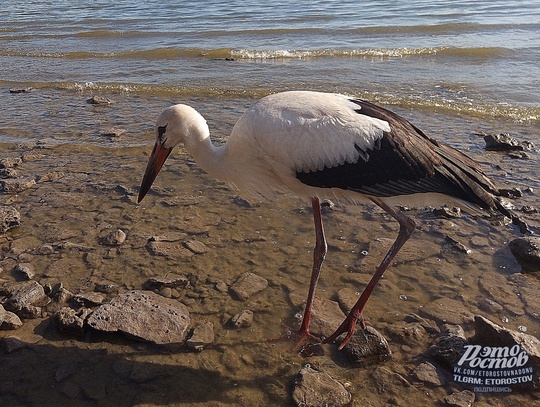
(96, 193)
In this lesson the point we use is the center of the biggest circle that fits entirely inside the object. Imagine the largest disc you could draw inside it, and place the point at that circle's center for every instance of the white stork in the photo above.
(322, 145)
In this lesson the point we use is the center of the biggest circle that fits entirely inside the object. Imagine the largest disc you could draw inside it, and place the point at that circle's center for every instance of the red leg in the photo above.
(319, 253)
(406, 227)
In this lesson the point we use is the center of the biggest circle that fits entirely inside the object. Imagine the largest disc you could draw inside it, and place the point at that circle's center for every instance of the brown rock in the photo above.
(315, 388)
(114, 238)
(144, 315)
(16, 185)
(427, 373)
(71, 321)
(366, 347)
(195, 246)
(247, 285)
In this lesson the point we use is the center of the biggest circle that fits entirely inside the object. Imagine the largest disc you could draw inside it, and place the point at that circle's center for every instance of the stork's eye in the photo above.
(161, 131)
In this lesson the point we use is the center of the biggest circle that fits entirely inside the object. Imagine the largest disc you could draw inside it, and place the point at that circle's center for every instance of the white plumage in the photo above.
(324, 145)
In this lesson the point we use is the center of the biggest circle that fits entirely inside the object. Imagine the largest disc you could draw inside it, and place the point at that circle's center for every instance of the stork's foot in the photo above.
(306, 343)
(347, 327)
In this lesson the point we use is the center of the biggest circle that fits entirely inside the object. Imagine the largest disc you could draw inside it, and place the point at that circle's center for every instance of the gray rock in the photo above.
(526, 250)
(100, 100)
(490, 334)
(144, 315)
(89, 299)
(71, 321)
(366, 347)
(315, 388)
(26, 300)
(243, 319)
(463, 398)
(115, 238)
(246, 285)
(502, 142)
(9, 320)
(16, 185)
(9, 218)
(326, 316)
(202, 336)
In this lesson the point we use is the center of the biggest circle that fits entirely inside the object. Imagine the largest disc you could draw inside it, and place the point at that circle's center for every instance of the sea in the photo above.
(457, 69)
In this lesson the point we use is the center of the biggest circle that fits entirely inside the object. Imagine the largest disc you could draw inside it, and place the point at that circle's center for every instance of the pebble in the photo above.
(9, 320)
(202, 336)
(449, 346)
(247, 285)
(463, 398)
(100, 100)
(10, 162)
(144, 315)
(243, 319)
(316, 388)
(12, 343)
(25, 270)
(367, 347)
(71, 321)
(195, 246)
(16, 185)
(526, 250)
(115, 238)
(26, 300)
(427, 373)
(9, 218)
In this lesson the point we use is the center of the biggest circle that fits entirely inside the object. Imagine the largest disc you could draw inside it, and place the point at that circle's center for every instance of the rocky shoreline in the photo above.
(405, 357)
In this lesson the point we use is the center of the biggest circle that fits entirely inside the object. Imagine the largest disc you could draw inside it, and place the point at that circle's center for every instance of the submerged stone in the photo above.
(9, 218)
(246, 285)
(526, 250)
(316, 388)
(143, 315)
(366, 347)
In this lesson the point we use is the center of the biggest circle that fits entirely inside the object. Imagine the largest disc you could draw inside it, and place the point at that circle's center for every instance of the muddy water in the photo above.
(94, 192)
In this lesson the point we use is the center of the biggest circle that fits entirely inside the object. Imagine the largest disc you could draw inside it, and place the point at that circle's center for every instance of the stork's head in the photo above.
(177, 124)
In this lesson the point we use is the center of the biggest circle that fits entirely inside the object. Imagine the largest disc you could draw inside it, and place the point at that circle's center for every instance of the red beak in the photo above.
(155, 162)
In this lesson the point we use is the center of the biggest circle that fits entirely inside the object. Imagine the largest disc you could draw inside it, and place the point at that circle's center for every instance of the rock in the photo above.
(366, 347)
(346, 298)
(167, 249)
(16, 185)
(89, 299)
(26, 300)
(526, 250)
(202, 335)
(10, 162)
(25, 270)
(427, 373)
(449, 345)
(9, 218)
(502, 142)
(12, 343)
(489, 334)
(21, 90)
(315, 388)
(71, 321)
(246, 285)
(9, 320)
(106, 288)
(144, 315)
(51, 176)
(100, 100)
(114, 238)
(8, 173)
(195, 246)
(326, 316)
(112, 132)
(243, 319)
(158, 283)
(447, 310)
(457, 245)
(446, 212)
(463, 398)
